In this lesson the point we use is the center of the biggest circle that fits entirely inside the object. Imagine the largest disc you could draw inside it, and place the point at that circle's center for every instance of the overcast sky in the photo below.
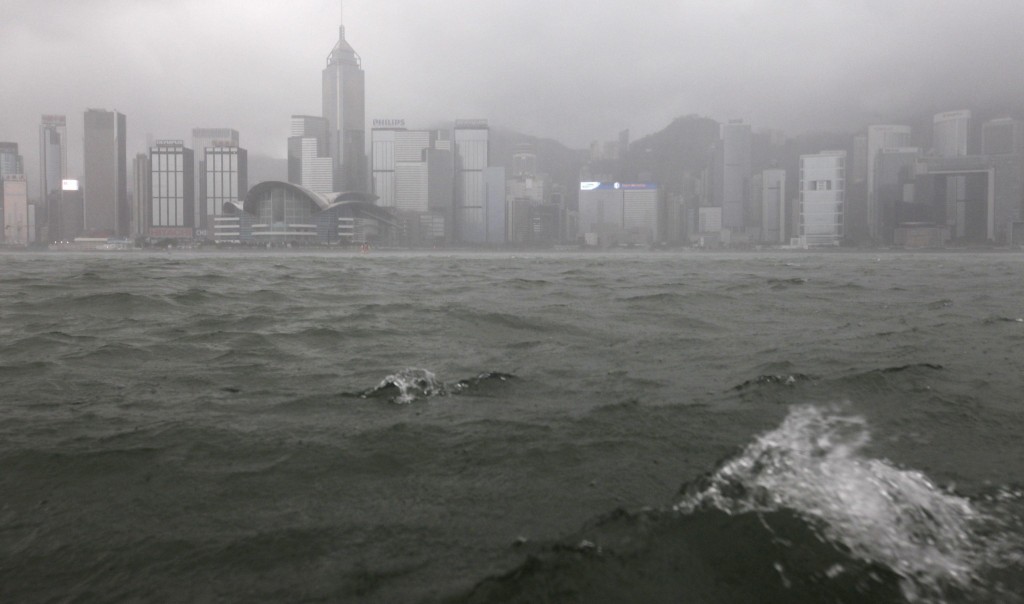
(572, 70)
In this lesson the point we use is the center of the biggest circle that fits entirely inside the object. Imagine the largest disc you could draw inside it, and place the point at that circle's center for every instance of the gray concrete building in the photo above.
(107, 211)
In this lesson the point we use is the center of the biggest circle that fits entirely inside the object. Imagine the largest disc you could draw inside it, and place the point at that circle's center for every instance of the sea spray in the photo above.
(814, 464)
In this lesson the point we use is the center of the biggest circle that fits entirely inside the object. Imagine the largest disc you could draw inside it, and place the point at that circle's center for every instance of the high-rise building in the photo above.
(172, 197)
(142, 208)
(202, 138)
(399, 165)
(612, 214)
(771, 196)
(1003, 136)
(895, 171)
(106, 210)
(472, 148)
(344, 108)
(495, 212)
(733, 172)
(880, 136)
(309, 163)
(822, 187)
(17, 222)
(951, 133)
(225, 178)
(10, 161)
(53, 162)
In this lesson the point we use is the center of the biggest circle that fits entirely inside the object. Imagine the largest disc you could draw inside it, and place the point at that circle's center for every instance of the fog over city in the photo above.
(574, 71)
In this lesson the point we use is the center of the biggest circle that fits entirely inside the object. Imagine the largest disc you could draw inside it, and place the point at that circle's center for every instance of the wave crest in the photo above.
(814, 465)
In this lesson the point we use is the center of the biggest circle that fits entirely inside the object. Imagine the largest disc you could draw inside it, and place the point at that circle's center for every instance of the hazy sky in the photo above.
(573, 70)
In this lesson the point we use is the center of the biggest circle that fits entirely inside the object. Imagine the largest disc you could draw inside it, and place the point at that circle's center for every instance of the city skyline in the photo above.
(639, 70)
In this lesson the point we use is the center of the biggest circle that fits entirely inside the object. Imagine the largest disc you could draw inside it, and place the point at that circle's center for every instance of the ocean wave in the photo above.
(413, 383)
(813, 464)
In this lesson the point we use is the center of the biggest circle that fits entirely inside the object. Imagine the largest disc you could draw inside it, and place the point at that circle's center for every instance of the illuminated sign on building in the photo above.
(69, 185)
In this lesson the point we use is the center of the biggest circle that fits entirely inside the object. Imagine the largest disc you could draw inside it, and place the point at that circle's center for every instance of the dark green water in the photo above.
(463, 427)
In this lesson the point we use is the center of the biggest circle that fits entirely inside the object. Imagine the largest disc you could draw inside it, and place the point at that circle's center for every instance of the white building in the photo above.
(172, 193)
(822, 196)
(472, 147)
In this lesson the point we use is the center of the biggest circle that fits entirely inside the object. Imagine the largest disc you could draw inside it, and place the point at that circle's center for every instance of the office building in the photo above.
(142, 208)
(17, 222)
(951, 133)
(172, 193)
(732, 173)
(53, 161)
(309, 162)
(471, 141)
(822, 187)
(10, 161)
(495, 206)
(895, 172)
(613, 214)
(769, 187)
(880, 136)
(1004, 136)
(344, 108)
(203, 138)
(225, 178)
(106, 212)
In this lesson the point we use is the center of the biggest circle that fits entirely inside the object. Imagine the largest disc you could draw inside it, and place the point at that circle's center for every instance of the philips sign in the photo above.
(389, 123)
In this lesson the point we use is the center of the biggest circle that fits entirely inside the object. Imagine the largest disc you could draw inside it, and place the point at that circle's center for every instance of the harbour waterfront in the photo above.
(463, 426)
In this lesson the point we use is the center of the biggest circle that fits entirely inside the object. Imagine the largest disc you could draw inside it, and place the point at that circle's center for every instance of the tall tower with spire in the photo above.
(344, 103)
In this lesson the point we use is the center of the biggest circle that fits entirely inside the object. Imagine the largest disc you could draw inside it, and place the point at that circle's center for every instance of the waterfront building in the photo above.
(344, 109)
(895, 172)
(471, 149)
(769, 187)
(280, 213)
(495, 205)
(822, 188)
(17, 224)
(202, 139)
(733, 167)
(10, 161)
(613, 214)
(106, 210)
(225, 178)
(880, 136)
(142, 208)
(976, 198)
(172, 193)
(951, 133)
(53, 161)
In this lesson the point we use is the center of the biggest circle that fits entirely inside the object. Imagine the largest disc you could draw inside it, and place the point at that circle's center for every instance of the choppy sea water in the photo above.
(512, 428)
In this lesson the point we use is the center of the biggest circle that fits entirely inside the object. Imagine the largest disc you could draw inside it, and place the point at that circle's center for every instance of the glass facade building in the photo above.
(106, 210)
(172, 194)
(472, 147)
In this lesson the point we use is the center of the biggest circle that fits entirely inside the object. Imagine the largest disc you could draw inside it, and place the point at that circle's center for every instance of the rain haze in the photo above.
(657, 301)
(573, 71)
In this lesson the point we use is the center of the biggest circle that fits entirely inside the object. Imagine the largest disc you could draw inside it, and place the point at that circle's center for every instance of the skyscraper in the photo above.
(225, 178)
(950, 133)
(172, 185)
(344, 108)
(881, 136)
(106, 209)
(309, 163)
(472, 146)
(735, 165)
(201, 139)
(10, 161)
(53, 162)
